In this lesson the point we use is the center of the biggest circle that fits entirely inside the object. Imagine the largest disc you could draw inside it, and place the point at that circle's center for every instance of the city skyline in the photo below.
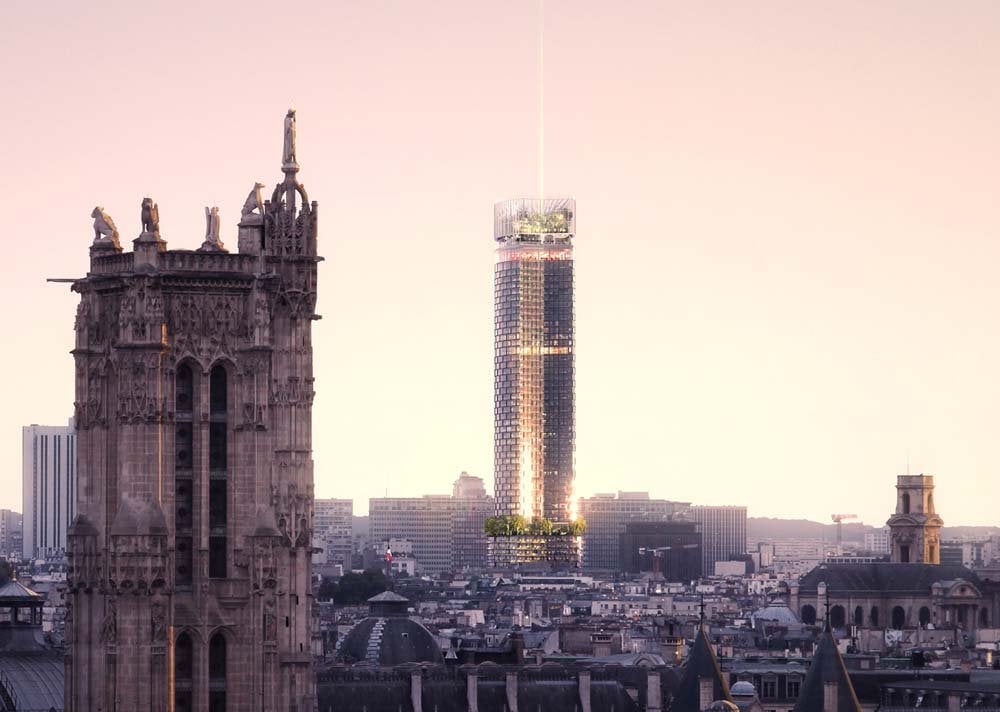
(785, 293)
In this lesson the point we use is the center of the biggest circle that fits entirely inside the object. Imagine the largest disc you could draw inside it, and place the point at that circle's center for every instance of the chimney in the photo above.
(830, 696)
(517, 646)
(416, 691)
(706, 693)
(654, 694)
(584, 683)
(472, 691)
(512, 692)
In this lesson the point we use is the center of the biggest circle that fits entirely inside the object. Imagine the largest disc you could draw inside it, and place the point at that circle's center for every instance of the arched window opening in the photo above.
(906, 502)
(217, 419)
(859, 616)
(217, 673)
(898, 617)
(218, 491)
(874, 617)
(184, 475)
(808, 614)
(838, 617)
(924, 616)
(183, 674)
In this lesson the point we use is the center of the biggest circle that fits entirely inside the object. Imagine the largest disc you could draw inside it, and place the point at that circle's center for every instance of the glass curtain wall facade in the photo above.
(533, 360)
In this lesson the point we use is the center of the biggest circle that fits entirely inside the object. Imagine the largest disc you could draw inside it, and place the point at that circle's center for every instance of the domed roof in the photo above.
(743, 688)
(389, 641)
(779, 613)
(387, 637)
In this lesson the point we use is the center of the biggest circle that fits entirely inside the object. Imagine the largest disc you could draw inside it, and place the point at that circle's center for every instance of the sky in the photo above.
(787, 234)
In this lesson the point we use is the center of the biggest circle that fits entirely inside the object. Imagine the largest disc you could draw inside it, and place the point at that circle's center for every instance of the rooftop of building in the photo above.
(31, 674)
(883, 576)
(534, 219)
(827, 668)
(388, 637)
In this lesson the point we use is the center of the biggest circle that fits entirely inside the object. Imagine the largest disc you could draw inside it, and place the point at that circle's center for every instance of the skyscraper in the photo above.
(534, 427)
(471, 507)
(11, 533)
(48, 487)
(723, 534)
(446, 532)
(607, 516)
(332, 531)
(189, 583)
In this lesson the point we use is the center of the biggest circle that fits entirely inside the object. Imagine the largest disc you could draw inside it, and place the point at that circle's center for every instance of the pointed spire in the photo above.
(701, 665)
(827, 671)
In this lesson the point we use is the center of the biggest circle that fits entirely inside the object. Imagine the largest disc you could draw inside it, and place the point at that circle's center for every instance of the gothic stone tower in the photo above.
(915, 528)
(189, 561)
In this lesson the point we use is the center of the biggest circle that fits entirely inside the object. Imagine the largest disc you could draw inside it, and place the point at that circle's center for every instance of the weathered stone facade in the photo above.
(189, 561)
(915, 528)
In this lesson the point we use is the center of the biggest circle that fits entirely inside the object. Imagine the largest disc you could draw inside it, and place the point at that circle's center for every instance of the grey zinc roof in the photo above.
(15, 589)
(36, 679)
(702, 663)
(389, 641)
(781, 614)
(388, 597)
(883, 576)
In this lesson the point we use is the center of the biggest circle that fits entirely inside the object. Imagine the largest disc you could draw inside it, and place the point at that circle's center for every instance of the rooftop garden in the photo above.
(516, 525)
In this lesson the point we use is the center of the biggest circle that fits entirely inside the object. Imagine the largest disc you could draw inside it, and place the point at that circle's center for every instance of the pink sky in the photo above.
(787, 239)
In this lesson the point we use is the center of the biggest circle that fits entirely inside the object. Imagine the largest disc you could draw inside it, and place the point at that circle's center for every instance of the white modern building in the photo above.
(48, 479)
(447, 531)
(877, 541)
(332, 531)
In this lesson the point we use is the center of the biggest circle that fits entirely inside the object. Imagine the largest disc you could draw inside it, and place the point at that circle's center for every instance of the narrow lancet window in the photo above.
(217, 673)
(183, 674)
(218, 491)
(184, 475)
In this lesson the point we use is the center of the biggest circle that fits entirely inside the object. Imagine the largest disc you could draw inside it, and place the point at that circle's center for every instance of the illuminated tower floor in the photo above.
(534, 374)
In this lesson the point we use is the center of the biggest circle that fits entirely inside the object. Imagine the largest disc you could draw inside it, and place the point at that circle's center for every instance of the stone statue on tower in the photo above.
(288, 155)
(186, 592)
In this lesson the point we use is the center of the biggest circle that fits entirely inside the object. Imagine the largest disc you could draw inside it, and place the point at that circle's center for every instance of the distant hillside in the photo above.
(760, 528)
(956, 532)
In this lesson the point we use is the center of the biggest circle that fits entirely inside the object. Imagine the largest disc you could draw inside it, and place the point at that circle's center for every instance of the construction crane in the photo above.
(840, 519)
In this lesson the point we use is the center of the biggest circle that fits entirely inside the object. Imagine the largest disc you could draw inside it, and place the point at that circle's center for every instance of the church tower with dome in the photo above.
(915, 528)
(188, 583)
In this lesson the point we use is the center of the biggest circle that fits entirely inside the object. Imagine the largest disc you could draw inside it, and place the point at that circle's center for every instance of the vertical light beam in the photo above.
(541, 98)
